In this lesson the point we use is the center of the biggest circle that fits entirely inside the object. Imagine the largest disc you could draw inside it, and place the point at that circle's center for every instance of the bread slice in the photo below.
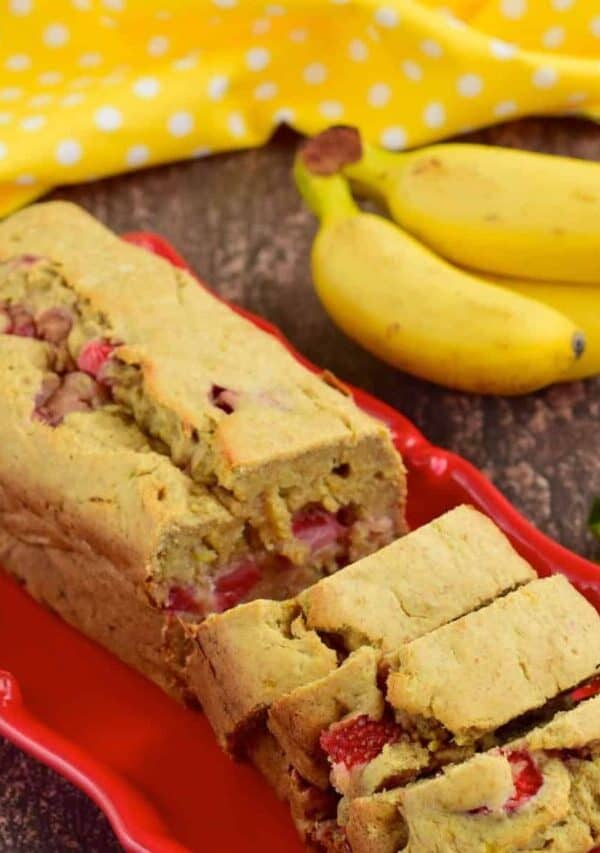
(445, 569)
(507, 659)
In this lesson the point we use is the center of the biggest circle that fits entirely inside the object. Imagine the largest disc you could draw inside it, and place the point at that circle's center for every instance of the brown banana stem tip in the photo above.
(328, 152)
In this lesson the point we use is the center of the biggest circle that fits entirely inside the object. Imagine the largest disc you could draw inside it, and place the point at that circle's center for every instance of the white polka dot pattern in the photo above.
(90, 60)
(393, 138)
(544, 77)
(469, 85)
(56, 35)
(236, 124)
(502, 49)
(412, 70)
(17, 62)
(503, 109)
(387, 16)
(513, 9)
(257, 58)
(146, 87)
(68, 152)
(20, 7)
(50, 78)
(33, 123)
(158, 45)
(217, 87)
(434, 115)
(72, 100)
(431, 48)
(358, 50)
(108, 118)
(332, 110)
(137, 155)
(265, 91)
(315, 73)
(553, 37)
(298, 35)
(180, 123)
(97, 86)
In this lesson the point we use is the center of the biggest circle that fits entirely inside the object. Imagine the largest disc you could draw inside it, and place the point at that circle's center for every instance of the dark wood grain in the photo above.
(239, 222)
(41, 813)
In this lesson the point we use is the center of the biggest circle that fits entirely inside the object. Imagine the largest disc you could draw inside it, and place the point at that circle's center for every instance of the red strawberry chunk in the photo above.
(586, 691)
(527, 779)
(235, 583)
(94, 355)
(181, 599)
(317, 528)
(358, 740)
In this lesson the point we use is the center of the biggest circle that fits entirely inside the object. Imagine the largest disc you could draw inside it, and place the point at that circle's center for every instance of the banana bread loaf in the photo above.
(162, 458)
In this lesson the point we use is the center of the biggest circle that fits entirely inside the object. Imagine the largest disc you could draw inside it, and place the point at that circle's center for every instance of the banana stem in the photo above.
(372, 172)
(328, 196)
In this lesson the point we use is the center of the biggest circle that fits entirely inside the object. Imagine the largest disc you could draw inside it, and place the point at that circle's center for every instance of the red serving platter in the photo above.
(153, 766)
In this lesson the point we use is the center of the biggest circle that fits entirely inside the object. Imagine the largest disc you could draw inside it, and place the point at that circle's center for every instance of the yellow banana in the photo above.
(579, 302)
(492, 209)
(419, 313)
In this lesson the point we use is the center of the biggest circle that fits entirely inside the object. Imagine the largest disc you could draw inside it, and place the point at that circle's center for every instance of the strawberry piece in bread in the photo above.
(527, 780)
(358, 740)
(232, 586)
(93, 356)
(317, 528)
(586, 691)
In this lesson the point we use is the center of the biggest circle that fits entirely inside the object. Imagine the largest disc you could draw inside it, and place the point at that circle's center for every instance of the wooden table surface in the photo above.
(240, 223)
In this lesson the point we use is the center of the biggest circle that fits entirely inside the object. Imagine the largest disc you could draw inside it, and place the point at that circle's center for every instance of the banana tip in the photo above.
(578, 344)
(331, 150)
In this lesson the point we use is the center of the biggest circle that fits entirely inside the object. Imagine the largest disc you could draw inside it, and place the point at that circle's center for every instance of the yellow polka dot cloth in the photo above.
(94, 87)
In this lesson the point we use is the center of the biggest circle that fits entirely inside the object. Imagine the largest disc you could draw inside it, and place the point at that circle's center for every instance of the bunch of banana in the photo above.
(505, 213)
